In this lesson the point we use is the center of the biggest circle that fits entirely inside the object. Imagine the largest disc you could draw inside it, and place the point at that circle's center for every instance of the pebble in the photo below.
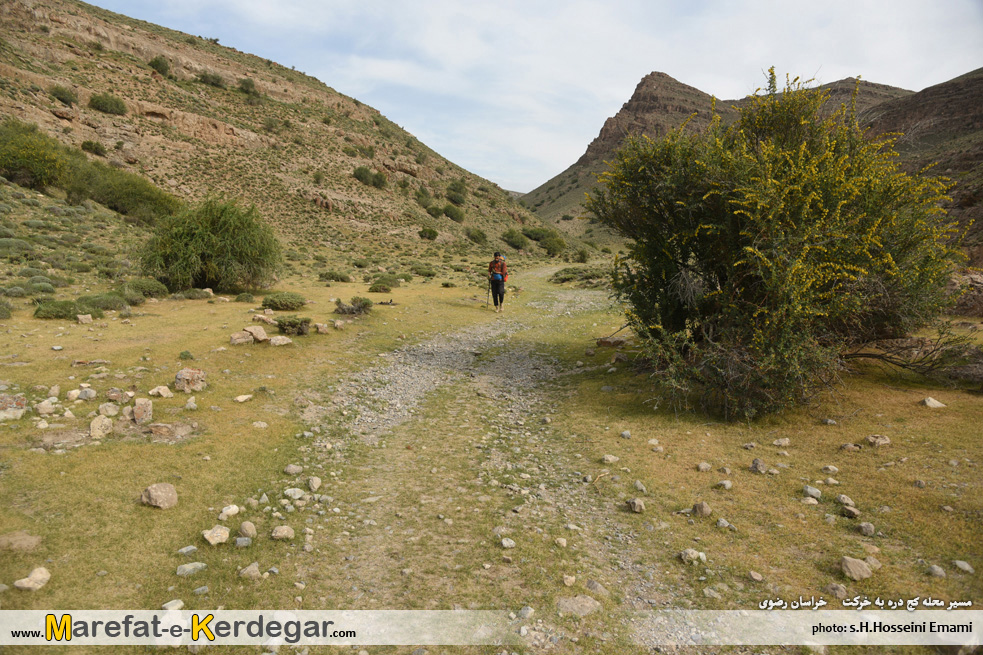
(866, 529)
(610, 459)
(201, 591)
(186, 570)
(247, 529)
(726, 485)
(228, 512)
(812, 492)
(702, 508)
(626, 434)
(508, 543)
(243, 542)
(754, 575)
(188, 551)
(251, 572)
(704, 467)
(936, 571)
(569, 580)
(640, 487)
(561, 542)
(292, 469)
(636, 505)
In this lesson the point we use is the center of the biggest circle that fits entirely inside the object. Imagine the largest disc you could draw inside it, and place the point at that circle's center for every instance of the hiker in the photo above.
(498, 275)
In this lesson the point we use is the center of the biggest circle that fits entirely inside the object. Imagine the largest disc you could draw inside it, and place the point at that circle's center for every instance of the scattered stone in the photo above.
(251, 572)
(240, 338)
(610, 459)
(626, 434)
(162, 495)
(188, 551)
(749, 446)
(921, 484)
(217, 535)
(963, 566)
(526, 612)
(246, 397)
(855, 569)
(247, 529)
(569, 580)
(692, 556)
(34, 581)
(259, 334)
(243, 542)
(561, 542)
(280, 341)
(143, 411)
(191, 405)
(293, 493)
(784, 442)
(162, 391)
(313, 483)
(45, 408)
(836, 590)
(100, 427)
(190, 569)
(228, 512)
(19, 541)
(640, 487)
(723, 523)
(637, 505)
(828, 421)
(83, 319)
(832, 470)
(935, 570)
(293, 469)
(758, 466)
(812, 492)
(850, 512)
(704, 467)
(810, 501)
(702, 508)
(851, 447)
(260, 425)
(726, 485)
(508, 543)
(597, 588)
(175, 604)
(199, 591)
(873, 563)
(932, 402)
(190, 380)
(87, 393)
(108, 409)
(866, 529)
(878, 440)
(283, 533)
(754, 575)
(578, 605)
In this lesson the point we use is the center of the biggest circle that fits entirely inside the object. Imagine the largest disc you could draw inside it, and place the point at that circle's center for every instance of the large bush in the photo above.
(284, 301)
(217, 245)
(761, 253)
(515, 239)
(107, 103)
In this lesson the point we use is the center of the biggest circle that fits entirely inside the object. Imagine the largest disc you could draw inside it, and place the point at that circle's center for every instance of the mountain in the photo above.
(201, 119)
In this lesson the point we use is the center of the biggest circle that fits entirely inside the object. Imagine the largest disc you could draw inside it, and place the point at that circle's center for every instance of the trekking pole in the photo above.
(488, 295)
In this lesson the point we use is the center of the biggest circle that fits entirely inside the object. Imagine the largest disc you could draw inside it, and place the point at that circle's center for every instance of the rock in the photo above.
(810, 501)
(855, 569)
(569, 580)
(259, 334)
(866, 529)
(873, 563)
(100, 427)
(243, 542)
(784, 442)
(293, 469)
(610, 459)
(850, 512)
(190, 380)
(313, 483)
(828, 421)
(163, 391)
(247, 529)
(726, 485)
(578, 605)
(963, 566)
(508, 543)
(877, 440)
(597, 588)
(240, 338)
(228, 512)
(754, 575)
(251, 572)
(87, 394)
(260, 425)
(829, 468)
(19, 541)
(723, 523)
(702, 508)
(704, 467)
(244, 398)
(162, 495)
(851, 447)
(34, 581)
(640, 487)
(263, 318)
(191, 405)
(637, 505)
(692, 556)
(283, 533)
(758, 466)
(843, 499)
(12, 406)
(175, 604)
(935, 571)
(83, 319)
(560, 542)
(293, 493)
(187, 551)
(45, 408)
(109, 409)
(626, 434)
(217, 535)
(143, 411)
(280, 341)
(812, 492)
(191, 568)
(321, 328)
(932, 402)
(835, 590)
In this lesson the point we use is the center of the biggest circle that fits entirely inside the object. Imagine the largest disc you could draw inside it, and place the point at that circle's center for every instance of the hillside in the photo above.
(222, 122)
(661, 103)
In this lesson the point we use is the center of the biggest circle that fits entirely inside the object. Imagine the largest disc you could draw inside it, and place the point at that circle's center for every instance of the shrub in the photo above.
(217, 245)
(566, 217)
(190, 294)
(245, 297)
(363, 174)
(185, 355)
(161, 65)
(63, 95)
(36, 288)
(770, 251)
(105, 301)
(15, 292)
(476, 235)
(211, 79)
(423, 197)
(5, 309)
(435, 210)
(294, 325)
(146, 287)
(455, 197)
(359, 305)
(379, 287)
(334, 276)
(28, 157)
(66, 310)
(248, 86)
(428, 233)
(423, 270)
(553, 245)
(94, 147)
(107, 103)
(31, 272)
(361, 263)
(284, 301)
(454, 213)
(515, 239)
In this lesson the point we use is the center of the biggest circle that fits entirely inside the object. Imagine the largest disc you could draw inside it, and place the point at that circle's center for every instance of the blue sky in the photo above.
(514, 90)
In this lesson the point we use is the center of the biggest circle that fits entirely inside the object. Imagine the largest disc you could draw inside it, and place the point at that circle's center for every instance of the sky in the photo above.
(515, 90)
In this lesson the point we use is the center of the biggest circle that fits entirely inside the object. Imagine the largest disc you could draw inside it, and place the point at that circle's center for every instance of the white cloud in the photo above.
(514, 90)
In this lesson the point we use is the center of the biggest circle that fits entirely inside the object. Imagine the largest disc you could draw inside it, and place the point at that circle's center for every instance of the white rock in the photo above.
(100, 427)
(34, 581)
(228, 512)
(217, 535)
(243, 398)
(162, 391)
(933, 403)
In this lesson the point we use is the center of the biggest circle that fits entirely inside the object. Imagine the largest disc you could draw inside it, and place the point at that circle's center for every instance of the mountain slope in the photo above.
(222, 122)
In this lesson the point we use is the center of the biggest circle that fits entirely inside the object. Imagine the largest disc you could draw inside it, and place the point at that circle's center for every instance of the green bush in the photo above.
(294, 325)
(455, 197)
(30, 271)
(379, 287)
(334, 276)
(248, 86)
(364, 175)
(454, 213)
(5, 309)
(553, 245)
(284, 301)
(476, 235)
(107, 103)
(161, 65)
(211, 79)
(515, 239)
(15, 292)
(423, 197)
(185, 355)
(28, 157)
(760, 255)
(581, 256)
(66, 310)
(190, 294)
(361, 263)
(215, 244)
(538, 233)
(35, 289)
(105, 301)
(428, 233)
(94, 147)
(146, 287)
(245, 297)
(63, 95)
(435, 210)
(423, 270)
(358, 305)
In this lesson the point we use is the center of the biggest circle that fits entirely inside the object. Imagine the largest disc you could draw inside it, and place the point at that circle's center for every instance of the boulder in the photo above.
(84, 319)
(283, 533)
(855, 569)
(637, 505)
(161, 391)
(240, 338)
(162, 495)
(932, 402)
(259, 334)
(34, 581)
(143, 411)
(190, 380)
(263, 318)
(280, 341)
(217, 535)
(100, 427)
